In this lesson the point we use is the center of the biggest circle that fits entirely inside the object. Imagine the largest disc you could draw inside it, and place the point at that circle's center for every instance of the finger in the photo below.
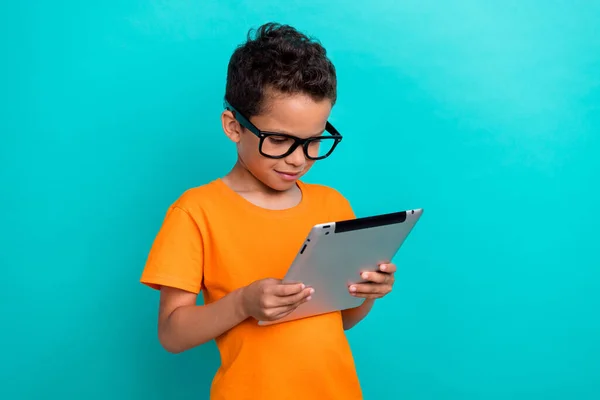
(271, 301)
(388, 268)
(294, 299)
(368, 296)
(283, 314)
(280, 312)
(376, 277)
(287, 289)
(369, 288)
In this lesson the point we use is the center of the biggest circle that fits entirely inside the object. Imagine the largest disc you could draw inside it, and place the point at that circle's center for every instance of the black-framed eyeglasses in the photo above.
(280, 145)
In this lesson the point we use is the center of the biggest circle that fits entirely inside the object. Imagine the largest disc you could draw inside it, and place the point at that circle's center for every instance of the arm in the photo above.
(353, 316)
(175, 267)
(183, 325)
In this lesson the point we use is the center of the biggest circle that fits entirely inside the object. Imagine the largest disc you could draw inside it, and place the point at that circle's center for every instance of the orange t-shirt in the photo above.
(215, 241)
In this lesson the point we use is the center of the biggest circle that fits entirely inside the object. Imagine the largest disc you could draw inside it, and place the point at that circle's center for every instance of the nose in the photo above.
(297, 158)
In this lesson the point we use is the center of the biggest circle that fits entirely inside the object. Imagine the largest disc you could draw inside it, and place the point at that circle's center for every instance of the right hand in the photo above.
(269, 299)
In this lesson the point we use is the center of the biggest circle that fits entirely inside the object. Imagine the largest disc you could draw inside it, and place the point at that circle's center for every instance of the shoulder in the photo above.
(198, 198)
(330, 197)
(323, 191)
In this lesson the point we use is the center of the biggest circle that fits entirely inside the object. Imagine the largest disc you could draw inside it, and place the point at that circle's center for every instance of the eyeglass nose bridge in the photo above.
(302, 143)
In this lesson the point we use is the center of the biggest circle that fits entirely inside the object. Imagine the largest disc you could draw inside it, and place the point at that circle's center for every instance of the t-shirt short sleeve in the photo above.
(176, 256)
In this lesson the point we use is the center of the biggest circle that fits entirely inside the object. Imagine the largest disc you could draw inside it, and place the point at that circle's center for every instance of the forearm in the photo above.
(353, 316)
(190, 326)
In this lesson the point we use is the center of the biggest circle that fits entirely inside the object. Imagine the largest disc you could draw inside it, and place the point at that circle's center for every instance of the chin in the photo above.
(281, 186)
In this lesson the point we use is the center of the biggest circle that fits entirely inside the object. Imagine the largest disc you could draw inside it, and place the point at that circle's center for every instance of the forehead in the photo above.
(296, 114)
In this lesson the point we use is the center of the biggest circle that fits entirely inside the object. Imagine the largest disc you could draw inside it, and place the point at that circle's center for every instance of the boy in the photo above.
(233, 238)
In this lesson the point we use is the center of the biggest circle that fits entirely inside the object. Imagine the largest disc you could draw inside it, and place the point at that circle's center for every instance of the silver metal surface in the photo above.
(331, 261)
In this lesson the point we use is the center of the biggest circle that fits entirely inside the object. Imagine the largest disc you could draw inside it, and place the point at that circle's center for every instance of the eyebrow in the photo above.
(284, 132)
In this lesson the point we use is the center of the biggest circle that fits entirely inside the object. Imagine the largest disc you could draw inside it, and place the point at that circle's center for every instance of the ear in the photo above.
(231, 127)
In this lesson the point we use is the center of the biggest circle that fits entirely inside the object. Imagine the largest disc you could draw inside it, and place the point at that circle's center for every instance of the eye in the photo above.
(278, 139)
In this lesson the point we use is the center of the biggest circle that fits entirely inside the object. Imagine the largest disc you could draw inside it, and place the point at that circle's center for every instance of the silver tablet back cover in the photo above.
(335, 254)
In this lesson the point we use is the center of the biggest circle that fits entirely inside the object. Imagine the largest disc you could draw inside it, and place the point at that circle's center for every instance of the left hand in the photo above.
(379, 283)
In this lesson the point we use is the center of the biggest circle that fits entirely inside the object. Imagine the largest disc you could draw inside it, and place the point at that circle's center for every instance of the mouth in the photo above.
(288, 176)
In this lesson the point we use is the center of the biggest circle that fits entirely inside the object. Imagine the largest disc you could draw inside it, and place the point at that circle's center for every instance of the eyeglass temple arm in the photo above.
(240, 117)
(329, 128)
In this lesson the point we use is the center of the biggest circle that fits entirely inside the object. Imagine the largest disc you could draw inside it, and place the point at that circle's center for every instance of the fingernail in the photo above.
(312, 291)
(353, 288)
(302, 286)
(383, 267)
(308, 298)
(365, 275)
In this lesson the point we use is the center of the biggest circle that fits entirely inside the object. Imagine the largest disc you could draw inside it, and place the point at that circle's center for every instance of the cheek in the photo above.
(248, 147)
(308, 165)
(248, 151)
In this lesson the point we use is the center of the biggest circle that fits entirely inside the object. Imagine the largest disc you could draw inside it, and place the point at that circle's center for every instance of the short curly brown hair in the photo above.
(279, 58)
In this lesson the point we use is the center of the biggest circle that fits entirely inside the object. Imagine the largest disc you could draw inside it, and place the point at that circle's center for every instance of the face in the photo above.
(296, 115)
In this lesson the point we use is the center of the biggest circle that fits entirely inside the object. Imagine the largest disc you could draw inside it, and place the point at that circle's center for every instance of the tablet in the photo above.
(334, 254)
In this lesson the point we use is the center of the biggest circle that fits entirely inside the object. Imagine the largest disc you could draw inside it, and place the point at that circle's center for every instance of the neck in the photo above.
(241, 179)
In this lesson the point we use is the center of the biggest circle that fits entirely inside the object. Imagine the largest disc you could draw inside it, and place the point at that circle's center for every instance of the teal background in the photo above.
(487, 114)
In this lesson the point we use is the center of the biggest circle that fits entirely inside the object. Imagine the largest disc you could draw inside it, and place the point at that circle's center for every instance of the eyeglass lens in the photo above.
(277, 146)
